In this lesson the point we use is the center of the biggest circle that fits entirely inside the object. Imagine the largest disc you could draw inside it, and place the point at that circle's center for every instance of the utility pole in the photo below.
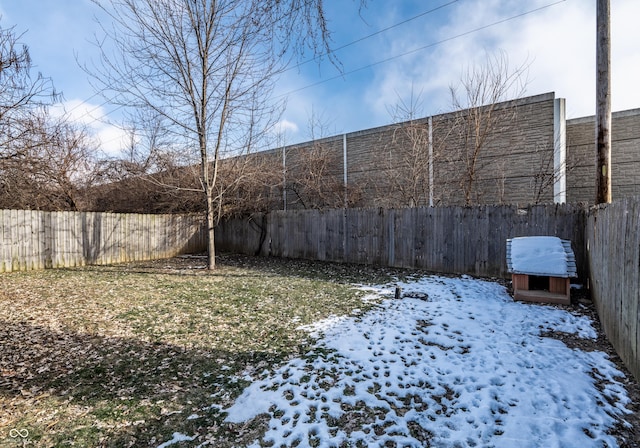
(603, 103)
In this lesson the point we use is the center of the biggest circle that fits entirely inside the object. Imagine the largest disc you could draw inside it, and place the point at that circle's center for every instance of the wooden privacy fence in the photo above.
(470, 240)
(613, 235)
(38, 240)
(462, 240)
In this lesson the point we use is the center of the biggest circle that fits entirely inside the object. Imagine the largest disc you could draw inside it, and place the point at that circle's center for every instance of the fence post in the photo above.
(430, 148)
(559, 151)
(344, 163)
(391, 238)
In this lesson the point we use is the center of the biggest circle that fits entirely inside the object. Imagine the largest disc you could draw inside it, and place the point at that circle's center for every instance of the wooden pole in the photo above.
(603, 103)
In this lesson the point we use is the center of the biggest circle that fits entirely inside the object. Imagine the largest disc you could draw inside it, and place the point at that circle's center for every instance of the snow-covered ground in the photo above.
(454, 363)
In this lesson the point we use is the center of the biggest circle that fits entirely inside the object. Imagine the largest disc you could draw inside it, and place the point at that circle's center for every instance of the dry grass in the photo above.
(123, 355)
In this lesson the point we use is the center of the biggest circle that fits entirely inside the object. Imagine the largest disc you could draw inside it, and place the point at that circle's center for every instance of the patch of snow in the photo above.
(318, 328)
(466, 368)
(539, 255)
(177, 437)
(374, 293)
(193, 417)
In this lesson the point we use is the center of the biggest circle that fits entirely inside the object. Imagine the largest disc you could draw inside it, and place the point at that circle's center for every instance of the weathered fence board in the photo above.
(37, 240)
(470, 240)
(613, 235)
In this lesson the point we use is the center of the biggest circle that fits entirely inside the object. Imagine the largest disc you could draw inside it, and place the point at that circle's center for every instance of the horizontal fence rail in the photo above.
(40, 240)
(613, 234)
(457, 240)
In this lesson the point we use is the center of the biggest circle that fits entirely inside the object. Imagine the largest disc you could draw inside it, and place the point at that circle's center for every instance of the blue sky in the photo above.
(557, 40)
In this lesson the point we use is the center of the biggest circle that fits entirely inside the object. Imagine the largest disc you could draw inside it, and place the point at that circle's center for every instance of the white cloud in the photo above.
(561, 44)
(78, 111)
(625, 53)
(558, 42)
(111, 138)
(285, 126)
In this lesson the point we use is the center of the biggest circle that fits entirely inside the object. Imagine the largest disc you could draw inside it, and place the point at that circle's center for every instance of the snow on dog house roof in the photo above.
(541, 256)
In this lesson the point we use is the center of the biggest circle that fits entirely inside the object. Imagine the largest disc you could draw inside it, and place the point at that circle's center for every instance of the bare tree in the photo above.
(406, 162)
(45, 161)
(251, 185)
(478, 118)
(22, 96)
(52, 169)
(206, 68)
(314, 177)
(545, 172)
(148, 176)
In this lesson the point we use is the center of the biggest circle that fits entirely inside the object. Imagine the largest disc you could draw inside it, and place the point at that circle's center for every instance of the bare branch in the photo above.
(478, 119)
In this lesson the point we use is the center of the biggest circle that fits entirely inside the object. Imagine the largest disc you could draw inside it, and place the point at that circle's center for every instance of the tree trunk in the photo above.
(211, 245)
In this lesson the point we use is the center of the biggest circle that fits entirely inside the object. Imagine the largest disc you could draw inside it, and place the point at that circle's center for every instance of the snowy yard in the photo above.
(161, 354)
(454, 363)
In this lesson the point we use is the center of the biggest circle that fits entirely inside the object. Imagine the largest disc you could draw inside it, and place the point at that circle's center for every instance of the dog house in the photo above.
(540, 268)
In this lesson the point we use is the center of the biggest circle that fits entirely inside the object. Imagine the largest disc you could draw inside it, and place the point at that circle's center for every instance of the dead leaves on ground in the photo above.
(122, 355)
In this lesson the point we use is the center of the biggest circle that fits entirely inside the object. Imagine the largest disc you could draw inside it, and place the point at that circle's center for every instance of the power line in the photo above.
(383, 61)
(415, 50)
(361, 39)
(342, 47)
